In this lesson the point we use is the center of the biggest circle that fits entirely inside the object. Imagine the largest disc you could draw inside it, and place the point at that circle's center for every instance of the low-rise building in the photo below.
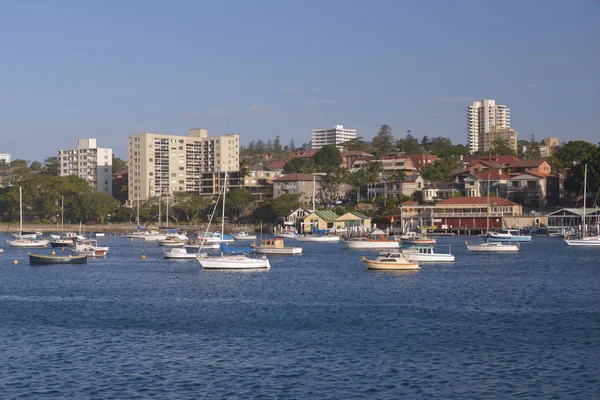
(539, 166)
(318, 220)
(306, 185)
(259, 179)
(534, 190)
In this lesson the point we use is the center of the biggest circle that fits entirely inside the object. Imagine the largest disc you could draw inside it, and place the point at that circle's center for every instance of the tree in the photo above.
(292, 144)
(569, 153)
(298, 165)
(327, 157)
(383, 141)
(358, 144)
(51, 166)
(361, 178)
(575, 181)
(425, 143)
(441, 169)
(271, 208)
(332, 183)
(36, 166)
(237, 201)
(439, 146)
(4, 166)
(277, 148)
(409, 145)
(501, 146)
(118, 164)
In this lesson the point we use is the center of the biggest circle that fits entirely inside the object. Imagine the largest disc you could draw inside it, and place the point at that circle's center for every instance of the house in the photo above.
(297, 216)
(503, 160)
(534, 189)
(420, 161)
(350, 156)
(565, 198)
(518, 167)
(441, 190)
(412, 185)
(318, 220)
(259, 179)
(306, 185)
(388, 165)
(489, 180)
(353, 221)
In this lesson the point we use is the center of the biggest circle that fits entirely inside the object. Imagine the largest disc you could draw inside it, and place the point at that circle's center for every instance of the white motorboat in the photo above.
(391, 262)
(318, 238)
(377, 239)
(229, 261)
(276, 246)
(426, 253)
(415, 238)
(493, 247)
(243, 236)
(89, 247)
(99, 234)
(180, 253)
(287, 234)
(202, 246)
(508, 235)
(215, 237)
(171, 241)
(162, 234)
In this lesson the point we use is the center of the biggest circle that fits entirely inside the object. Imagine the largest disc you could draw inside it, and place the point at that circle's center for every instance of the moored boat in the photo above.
(391, 262)
(28, 243)
(493, 247)
(276, 246)
(426, 253)
(508, 235)
(41, 259)
(375, 240)
(243, 236)
(171, 241)
(89, 247)
(180, 254)
(318, 238)
(415, 238)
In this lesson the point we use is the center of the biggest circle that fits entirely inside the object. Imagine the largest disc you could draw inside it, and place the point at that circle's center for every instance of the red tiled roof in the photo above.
(305, 153)
(484, 162)
(538, 174)
(501, 159)
(526, 163)
(277, 164)
(491, 174)
(499, 201)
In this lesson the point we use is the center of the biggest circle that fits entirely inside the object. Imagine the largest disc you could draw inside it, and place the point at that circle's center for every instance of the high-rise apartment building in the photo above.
(486, 140)
(481, 116)
(336, 135)
(5, 158)
(88, 162)
(161, 165)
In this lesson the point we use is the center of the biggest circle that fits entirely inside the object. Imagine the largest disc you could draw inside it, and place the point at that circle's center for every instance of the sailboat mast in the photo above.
(159, 212)
(314, 192)
(487, 218)
(223, 212)
(584, 196)
(20, 210)
(167, 215)
(138, 209)
(62, 213)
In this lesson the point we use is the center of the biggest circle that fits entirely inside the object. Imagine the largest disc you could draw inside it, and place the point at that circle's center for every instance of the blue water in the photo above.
(316, 326)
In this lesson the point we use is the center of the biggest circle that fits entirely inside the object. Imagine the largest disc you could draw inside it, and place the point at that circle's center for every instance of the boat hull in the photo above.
(431, 257)
(318, 239)
(179, 254)
(28, 243)
(489, 248)
(244, 237)
(283, 251)
(386, 266)
(509, 239)
(39, 259)
(90, 253)
(592, 242)
(419, 241)
(234, 262)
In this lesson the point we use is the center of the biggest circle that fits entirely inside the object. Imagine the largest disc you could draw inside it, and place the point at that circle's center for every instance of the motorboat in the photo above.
(493, 247)
(99, 234)
(64, 239)
(41, 259)
(180, 253)
(276, 246)
(287, 234)
(171, 241)
(585, 241)
(215, 237)
(415, 238)
(426, 253)
(391, 262)
(508, 235)
(318, 238)
(377, 239)
(202, 244)
(243, 236)
(164, 233)
(89, 247)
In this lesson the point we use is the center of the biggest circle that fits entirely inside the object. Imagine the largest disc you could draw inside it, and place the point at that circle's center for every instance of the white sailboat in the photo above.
(22, 241)
(584, 240)
(231, 261)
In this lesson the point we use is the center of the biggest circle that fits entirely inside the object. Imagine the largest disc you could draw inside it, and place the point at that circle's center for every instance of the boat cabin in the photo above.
(275, 243)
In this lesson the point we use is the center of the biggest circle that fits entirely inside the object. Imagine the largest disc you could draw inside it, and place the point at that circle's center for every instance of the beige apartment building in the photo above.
(486, 140)
(90, 162)
(162, 165)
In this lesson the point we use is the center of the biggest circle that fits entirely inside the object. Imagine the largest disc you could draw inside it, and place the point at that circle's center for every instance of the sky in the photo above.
(110, 69)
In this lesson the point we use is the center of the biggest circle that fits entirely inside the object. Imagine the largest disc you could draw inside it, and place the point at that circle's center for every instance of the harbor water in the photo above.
(315, 326)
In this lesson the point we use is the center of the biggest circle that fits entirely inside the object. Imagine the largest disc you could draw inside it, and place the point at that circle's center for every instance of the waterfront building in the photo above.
(161, 165)
(534, 190)
(336, 136)
(90, 162)
(481, 117)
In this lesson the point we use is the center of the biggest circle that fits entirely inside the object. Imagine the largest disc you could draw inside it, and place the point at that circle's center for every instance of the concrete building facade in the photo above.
(336, 135)
(5, 158)
(161, 164)
(89, 162)
(481, 117)
(486, 139)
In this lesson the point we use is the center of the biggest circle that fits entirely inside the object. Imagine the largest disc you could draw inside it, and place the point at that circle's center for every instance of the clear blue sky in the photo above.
(109, 69)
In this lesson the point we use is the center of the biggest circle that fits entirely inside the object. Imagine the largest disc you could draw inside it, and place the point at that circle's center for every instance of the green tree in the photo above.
(409, 144)
(368, 174)
(358, 144)
(501, 146)
(440, 170)
(51, 166)
(272, 208)
(237, 201)
(277, 148)
(4, 166)
(298, 165)
(569, 153)
(292, 144)
(332, 183)
(118, 164)
(383, 141)
(327, 157)
(575, 181)
(36, 166)
(439, 146)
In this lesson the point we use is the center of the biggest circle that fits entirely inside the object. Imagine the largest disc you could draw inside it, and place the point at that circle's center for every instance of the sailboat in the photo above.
(491, 247)
(231, 260)
(22, 241)
(584, 240)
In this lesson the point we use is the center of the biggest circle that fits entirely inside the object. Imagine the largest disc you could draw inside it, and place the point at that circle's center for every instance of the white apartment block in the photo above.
(481, 117)
(161, 165)
(89, 162)
(5, 158)
(336, 135)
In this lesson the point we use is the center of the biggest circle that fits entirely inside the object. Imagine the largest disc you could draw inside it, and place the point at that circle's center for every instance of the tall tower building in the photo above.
(161, 165)
(336, 135)
(481, 117)
(89, 162)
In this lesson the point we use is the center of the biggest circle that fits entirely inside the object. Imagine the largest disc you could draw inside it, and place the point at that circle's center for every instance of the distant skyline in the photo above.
(110, 69)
